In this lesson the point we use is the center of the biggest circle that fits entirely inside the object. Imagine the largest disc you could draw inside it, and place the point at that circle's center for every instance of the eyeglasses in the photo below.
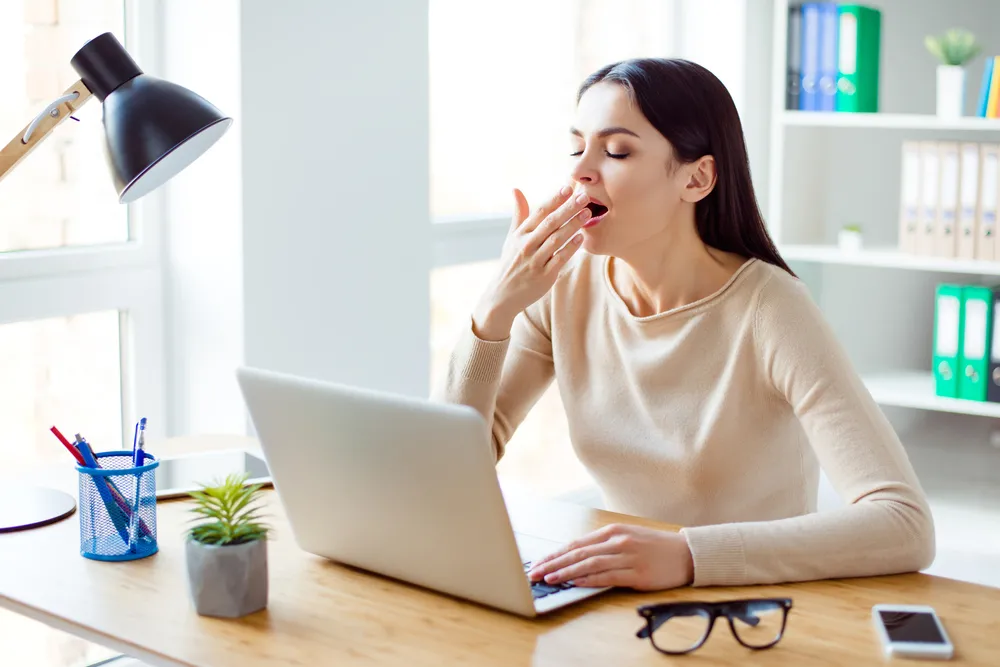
(681, 627)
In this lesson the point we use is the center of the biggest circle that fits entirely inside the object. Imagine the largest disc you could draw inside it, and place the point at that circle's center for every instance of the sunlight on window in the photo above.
(62, 193)
(62, 372)
(503, 82)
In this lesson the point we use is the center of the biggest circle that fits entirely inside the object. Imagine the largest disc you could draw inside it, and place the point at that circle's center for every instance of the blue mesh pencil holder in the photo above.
(118, 507)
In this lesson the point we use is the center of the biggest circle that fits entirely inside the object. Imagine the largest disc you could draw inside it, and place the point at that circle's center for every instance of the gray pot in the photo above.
(227, 581)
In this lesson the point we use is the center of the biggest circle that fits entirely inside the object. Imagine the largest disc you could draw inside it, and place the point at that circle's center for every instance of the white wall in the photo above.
(204, 282)
(336, 235)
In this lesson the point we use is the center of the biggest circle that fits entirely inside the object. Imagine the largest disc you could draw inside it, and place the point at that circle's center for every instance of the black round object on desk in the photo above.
(32, 506)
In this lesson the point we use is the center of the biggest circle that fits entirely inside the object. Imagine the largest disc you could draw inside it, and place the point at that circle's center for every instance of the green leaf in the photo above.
(227, 512)
(955, 47)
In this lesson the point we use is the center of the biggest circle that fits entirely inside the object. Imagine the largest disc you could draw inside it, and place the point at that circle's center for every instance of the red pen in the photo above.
(72, 450)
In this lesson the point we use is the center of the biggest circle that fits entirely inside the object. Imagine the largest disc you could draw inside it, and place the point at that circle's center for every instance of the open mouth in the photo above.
(597, 212)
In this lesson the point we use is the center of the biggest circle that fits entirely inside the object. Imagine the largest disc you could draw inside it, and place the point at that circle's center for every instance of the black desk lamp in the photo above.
(153, 130)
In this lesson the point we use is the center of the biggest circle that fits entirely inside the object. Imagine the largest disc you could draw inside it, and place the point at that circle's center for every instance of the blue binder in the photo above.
(829, 50)
(809, 98)
(984, 89)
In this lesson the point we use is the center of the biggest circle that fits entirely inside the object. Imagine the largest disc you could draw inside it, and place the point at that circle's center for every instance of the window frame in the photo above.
(126, 277)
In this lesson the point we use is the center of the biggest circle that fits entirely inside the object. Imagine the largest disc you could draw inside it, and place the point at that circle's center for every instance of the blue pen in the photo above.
(135, 435)
(137, 460)
(137, 454)
(101, 483)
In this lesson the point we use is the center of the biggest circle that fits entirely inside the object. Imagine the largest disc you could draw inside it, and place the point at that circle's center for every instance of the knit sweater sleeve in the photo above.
(886, 525)
(502, 379)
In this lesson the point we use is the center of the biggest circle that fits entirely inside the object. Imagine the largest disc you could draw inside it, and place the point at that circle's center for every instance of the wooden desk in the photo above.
(321, 613)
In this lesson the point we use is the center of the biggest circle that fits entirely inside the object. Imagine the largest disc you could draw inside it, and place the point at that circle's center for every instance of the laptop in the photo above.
(399, 486)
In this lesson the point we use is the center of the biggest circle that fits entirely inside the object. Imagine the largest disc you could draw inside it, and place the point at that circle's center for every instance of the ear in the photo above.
(701, 179)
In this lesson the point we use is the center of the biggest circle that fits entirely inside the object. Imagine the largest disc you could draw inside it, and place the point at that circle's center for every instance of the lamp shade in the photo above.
(153, 128)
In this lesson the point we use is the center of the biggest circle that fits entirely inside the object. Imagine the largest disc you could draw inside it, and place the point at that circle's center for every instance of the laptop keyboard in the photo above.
(540, 589)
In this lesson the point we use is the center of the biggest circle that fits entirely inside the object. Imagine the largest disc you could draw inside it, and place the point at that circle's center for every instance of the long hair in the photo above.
(692, 109)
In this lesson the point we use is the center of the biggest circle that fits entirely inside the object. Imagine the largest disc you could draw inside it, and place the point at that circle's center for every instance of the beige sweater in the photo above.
(715, 416)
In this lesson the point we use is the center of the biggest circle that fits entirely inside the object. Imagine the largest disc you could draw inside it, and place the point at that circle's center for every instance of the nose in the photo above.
(584, 172)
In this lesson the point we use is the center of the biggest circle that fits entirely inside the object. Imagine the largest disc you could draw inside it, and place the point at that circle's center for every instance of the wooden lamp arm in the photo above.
(17, 149)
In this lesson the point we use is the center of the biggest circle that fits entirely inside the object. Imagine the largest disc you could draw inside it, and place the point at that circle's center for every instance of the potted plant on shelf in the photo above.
(954, 49)
(849, 238)
(226, 550)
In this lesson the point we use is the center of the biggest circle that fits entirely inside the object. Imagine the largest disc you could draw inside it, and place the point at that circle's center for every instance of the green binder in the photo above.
(948, 322)
(860, 33)
(974, 359)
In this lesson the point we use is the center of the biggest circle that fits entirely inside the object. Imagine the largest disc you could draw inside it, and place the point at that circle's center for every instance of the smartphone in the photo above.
(912, 631)
(179, 475)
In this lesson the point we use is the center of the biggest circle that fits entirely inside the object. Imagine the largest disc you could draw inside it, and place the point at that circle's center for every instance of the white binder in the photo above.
(967, 198)
(986, 211)
(909, 197)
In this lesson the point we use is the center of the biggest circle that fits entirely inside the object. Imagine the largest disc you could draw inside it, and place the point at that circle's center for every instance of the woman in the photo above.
(701, 383)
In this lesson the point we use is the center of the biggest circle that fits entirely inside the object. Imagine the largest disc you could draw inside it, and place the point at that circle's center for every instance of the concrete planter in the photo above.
(227, 581)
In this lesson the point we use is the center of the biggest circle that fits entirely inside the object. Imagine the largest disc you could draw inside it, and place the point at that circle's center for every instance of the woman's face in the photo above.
(624, 163)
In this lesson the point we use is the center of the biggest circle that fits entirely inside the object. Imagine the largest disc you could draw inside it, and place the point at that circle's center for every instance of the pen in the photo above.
(137, 456)
(116, 495)
(135, 435)
(103, 485)
(72, 450)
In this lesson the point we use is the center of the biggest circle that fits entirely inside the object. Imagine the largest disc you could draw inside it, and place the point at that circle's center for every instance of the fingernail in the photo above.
(581, 199)
(565, 191)
(585, 214)
(550, 578)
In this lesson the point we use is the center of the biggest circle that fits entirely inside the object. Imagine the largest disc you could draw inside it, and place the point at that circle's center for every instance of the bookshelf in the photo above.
(887, 257)
(915, 389)
(888, 121)
(828, 169)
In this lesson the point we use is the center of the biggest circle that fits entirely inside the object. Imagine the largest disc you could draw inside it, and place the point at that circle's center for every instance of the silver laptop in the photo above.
(400, 486)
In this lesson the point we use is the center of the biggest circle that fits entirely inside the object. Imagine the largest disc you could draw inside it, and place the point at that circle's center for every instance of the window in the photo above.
(503, 82)
(80, 286)
(62, 371)
(61, 194)
(81, 306)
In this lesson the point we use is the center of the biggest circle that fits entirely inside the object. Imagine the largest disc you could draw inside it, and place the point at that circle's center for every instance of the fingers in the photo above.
(521, 209)
(588, 566)
(559, 217)
(621, 578)
(588, 539)
(558, 238)
(542, 212)
(558, 260)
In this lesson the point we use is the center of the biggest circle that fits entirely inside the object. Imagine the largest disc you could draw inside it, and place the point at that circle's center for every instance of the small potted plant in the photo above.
(849, 238)
(953, 49)
(227, 549)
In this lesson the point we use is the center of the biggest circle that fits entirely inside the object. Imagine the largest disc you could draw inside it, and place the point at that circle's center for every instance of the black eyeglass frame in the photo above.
(659, 613)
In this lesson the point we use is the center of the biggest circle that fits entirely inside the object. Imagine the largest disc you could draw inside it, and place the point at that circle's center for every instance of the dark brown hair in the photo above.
(692, 109)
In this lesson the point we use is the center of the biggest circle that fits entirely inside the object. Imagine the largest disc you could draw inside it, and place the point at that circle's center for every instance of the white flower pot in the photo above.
(849, 240)
(950, 91)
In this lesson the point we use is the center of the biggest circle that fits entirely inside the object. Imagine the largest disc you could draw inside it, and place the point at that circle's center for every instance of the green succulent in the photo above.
(852, 228)
(228, 512)
(955, 47)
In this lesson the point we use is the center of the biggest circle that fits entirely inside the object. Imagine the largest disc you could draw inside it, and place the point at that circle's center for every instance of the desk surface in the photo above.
(320, 612)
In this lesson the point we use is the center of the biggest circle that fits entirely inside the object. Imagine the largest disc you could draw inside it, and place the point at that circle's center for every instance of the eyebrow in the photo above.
(606, 132)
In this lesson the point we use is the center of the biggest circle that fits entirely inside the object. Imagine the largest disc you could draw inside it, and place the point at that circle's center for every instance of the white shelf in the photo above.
(901, 121)
(887, 257)
(915, 389)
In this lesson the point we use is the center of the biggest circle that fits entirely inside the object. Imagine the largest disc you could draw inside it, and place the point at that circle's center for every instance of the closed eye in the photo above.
(614, 156)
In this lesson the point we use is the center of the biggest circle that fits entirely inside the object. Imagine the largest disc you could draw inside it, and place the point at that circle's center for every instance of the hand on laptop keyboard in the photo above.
(540, 589)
